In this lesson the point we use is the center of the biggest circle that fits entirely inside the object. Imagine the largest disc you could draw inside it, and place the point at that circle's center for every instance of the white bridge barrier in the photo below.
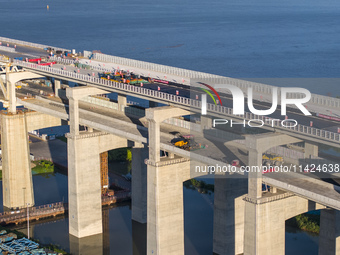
(35, 45)
(194, 104)
(5, 48)
(217, 79)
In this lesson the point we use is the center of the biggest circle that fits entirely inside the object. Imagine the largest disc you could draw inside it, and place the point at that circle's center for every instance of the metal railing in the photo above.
(195, 104)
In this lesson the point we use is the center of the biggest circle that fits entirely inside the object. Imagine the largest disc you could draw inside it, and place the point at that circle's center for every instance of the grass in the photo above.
(43, 167)
(306, 222)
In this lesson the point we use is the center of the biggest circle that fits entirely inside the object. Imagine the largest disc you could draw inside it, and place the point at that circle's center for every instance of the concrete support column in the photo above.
(329, 237)
(154, 141)
(57, 86)
(165, 228)
(165, 221)
(206, 122)
(311, 150)
(74, 116)
(11, 92)
(16, 164)
(84, 185)
(255, 178)
(122, 102)
(140, 152)
(229, 215)
(264, 227)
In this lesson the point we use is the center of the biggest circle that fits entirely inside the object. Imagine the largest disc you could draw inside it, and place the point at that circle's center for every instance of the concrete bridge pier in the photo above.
(16, 164)
(140, 152)
(57, 86)
(165, 219)
(206, 122)
(229, 215)
(311, 150)
(84, 182)
(329, 236)
(264, 220)
(165, 213)
(122, 102)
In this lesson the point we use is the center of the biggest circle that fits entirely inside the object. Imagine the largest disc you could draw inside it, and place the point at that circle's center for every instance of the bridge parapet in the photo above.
(242, 84)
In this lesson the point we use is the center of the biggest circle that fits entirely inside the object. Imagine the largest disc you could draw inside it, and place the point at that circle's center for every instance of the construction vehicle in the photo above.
(186, 142)
(271, 159)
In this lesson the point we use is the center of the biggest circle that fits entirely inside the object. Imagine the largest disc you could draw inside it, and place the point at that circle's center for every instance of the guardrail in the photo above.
(35, 45)
(217, 79)
(4, 48)
(195, 104)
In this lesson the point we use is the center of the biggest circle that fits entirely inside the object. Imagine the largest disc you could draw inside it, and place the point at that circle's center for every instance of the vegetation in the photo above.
(42, 167)
(306, 222)
(120, 155)
(201, 186)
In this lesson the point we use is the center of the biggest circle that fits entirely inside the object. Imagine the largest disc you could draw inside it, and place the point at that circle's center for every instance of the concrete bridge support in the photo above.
(329, 237)
(165, 219)
(265, 221)
(57, 87)
(311, 150)
(206, 122)
(229, 215)
(84, 182)
(140, 152)
(16, 171)
(122, 102)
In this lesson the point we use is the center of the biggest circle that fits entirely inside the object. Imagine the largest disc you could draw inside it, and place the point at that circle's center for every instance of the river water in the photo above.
(250, 39)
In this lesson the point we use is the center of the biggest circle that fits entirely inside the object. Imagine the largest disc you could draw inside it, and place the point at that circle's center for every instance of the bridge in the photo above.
(246, 219)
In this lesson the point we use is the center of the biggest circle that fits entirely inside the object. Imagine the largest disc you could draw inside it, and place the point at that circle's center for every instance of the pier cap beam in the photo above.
(257, 145)
(74, 94)
(83, 91)
(160, 114)
(155, 116)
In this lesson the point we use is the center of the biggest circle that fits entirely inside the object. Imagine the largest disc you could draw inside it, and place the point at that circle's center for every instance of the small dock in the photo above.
(35, 213)
(52, 210)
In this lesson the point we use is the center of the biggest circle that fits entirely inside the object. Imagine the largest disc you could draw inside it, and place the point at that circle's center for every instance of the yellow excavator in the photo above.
(186, 142)
(271, 159)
